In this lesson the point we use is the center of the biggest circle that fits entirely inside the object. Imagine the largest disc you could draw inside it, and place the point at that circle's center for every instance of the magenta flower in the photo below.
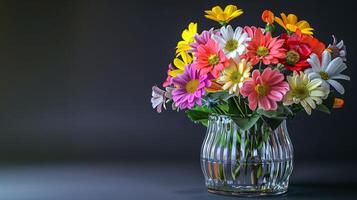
(190, 87)
(201, 39)
(265, 90)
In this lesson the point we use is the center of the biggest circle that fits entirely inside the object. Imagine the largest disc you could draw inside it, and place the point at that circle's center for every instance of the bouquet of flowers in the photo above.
(251, 73)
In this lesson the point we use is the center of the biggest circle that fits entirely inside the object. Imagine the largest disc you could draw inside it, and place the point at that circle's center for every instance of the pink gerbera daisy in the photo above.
(190, 87)
(210, 58)
(265, 89)
(265, 48)
(250, 30)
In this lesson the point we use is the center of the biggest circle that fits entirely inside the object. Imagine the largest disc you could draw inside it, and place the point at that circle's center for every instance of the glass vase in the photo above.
(252, 162)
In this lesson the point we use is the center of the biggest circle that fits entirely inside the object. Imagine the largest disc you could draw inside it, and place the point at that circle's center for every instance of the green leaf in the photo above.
(220, 109)
(273, 123)
(282, 112)
(323, 108)
(218, 96)
(327, 104)
(248, 122)
(288, 111)
(199, 114)
(268, 113)
(233, 107)
(237, 107)
(273, 118)
(330, 100)
(295, 108)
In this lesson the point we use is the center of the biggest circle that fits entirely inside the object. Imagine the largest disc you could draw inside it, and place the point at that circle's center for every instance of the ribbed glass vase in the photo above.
(254, 162)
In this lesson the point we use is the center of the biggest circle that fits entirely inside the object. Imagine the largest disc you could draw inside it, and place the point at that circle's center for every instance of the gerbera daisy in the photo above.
(299, 47)
(223, 16)
(291, 24)
(337, 49)
(214, 87)
(210, 59)
(187, 38)
(250, 30)
(234, 75)
(304, 91)
(180, 64)
(202, 39)
(265, 90)
(232, 42)
(265, 48)
(190, 86)
(328, 71)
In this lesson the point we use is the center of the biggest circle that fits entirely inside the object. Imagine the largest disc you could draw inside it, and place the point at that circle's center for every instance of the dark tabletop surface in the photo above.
(157, 181)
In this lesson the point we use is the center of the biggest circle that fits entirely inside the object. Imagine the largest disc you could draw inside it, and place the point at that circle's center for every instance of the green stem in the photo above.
(260, 65)
(218, 110)
(238, 106)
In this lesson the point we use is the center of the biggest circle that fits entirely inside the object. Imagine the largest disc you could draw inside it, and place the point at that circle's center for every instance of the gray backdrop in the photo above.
(76, 77)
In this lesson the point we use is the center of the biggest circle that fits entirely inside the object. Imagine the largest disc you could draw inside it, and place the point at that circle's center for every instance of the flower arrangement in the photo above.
(253, 73)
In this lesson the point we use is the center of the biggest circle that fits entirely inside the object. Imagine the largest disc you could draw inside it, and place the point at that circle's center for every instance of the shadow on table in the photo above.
(296, 191)
(321, 191)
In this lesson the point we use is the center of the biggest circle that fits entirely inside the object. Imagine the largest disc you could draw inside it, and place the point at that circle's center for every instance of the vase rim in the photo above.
(227, 118)
(215, 115)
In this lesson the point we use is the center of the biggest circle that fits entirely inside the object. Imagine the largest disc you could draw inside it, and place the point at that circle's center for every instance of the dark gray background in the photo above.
(76, 77)
(75, 115)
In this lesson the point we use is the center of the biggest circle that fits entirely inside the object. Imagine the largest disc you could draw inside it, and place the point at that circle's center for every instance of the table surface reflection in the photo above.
(167, 181)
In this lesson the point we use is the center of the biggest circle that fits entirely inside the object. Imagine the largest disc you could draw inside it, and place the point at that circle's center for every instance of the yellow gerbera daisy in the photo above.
(291, 23)
(180, 64)
(304, 91)
(223, 16)
(234, 76)
(187, 38)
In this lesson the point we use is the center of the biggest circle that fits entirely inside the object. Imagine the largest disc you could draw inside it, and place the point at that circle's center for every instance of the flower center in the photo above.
(213, 59)
(334, 51)
(236, 77)
(292, 57)
(262, 90)
(324, 75)
(262, 51)
(231, 45)
(192, 86)
(301, 93)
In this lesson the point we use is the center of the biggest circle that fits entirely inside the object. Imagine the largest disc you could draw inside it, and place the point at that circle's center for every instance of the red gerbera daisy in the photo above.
(299, 48)
(264, 47)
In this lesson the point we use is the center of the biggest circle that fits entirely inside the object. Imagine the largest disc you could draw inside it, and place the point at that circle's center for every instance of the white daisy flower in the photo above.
(233, 43)
(328, 71)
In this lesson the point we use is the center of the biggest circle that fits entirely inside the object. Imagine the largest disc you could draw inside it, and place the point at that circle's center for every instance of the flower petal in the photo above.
(326, 59)
(339, 88)
(340, 76)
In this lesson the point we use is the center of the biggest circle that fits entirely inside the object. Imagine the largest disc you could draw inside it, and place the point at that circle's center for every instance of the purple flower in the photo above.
(158, 98)
(202, 39)
(190, 87)
(337, 49)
